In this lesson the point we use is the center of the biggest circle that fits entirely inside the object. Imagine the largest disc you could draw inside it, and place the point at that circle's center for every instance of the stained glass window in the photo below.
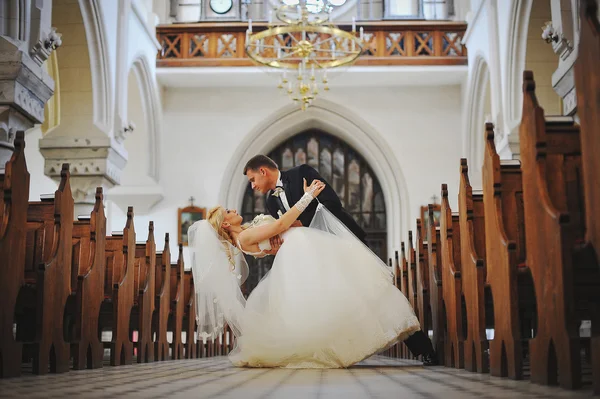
(349, 175)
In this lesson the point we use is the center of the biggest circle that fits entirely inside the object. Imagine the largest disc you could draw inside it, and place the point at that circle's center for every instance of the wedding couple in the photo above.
(328, 300)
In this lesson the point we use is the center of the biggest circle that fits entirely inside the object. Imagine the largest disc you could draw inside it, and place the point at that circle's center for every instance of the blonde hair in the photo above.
(215, 217)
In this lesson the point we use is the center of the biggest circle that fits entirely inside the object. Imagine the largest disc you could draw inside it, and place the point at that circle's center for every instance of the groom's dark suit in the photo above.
(293, 185)
(294, 190)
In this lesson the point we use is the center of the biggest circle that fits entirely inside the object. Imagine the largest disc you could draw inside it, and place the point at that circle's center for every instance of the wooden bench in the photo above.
(177, 306)
(473, 272)
(502, 190)
(47, 280)
(404, 352)
(436, 295)
(451, 283)
(14, 197)
(88, 269)
(189, 318)
(144, 286)
(587, 80)
(162, 302)
(118, 291)
(567, 280)
(423, 307)
(412, 275)
(396, 351)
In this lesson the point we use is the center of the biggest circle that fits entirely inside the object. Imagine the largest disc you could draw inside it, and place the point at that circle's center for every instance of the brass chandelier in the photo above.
(303, 48)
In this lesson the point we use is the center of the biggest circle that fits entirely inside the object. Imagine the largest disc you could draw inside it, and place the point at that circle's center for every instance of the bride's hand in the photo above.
(315, 187)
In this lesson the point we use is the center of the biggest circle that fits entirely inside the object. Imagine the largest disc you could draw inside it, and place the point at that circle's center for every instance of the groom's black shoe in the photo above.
(430, 359)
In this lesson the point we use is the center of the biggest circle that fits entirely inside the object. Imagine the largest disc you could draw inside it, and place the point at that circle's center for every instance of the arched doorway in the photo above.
(350, 176)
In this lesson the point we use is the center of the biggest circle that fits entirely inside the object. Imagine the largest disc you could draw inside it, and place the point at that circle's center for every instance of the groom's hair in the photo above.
(260, 161)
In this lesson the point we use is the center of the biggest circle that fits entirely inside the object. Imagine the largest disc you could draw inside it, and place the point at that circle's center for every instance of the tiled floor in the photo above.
(216, 378)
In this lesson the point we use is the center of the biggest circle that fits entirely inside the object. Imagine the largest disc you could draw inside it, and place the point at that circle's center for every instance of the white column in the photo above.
(564, 36)
(94, 162)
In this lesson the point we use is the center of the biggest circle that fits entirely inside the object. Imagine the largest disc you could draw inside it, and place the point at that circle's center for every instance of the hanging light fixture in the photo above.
(304, 48)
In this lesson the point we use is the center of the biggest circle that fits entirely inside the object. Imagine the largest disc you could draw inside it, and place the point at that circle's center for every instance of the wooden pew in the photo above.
(404, 271)
(189, 319)
(395, 265)
(451, 283)
(473, 272)
(587, 80)
(503, 238)
(144, 285)
(47, 280)
(162, 304)
(423, 300)
(396, 351)
(177, 306)
(404, 352)
(412, 275)
(118, 291)
(436, 295)
(14, 197)
(566, 280)
(89, 265)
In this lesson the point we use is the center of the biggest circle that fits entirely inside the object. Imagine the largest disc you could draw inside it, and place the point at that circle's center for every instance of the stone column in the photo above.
(562, 33)
(26, 42)
(94, 162)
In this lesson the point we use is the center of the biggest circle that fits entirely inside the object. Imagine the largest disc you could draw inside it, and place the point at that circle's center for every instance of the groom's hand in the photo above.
(276, 243)
(296, 223)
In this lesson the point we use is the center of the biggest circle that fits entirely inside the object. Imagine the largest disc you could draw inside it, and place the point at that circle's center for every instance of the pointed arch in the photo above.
(339, 122)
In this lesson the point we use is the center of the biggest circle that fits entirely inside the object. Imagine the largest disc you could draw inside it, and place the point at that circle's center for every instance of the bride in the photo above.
(327, 302)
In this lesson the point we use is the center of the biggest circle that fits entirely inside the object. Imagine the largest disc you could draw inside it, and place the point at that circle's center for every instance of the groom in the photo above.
(284, 189)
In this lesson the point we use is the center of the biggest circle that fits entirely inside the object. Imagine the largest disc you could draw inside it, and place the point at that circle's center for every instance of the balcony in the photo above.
(387, 43)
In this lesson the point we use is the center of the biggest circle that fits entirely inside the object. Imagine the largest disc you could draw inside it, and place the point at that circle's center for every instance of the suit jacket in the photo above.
(294, 190)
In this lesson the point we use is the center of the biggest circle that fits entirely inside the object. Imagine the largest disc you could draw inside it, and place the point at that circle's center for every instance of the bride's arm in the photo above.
(257, 234)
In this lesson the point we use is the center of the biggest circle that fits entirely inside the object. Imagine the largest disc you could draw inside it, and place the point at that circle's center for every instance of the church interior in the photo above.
(462, 135)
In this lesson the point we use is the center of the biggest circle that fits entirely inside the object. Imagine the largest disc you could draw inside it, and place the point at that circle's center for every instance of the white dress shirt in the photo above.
(284, 200)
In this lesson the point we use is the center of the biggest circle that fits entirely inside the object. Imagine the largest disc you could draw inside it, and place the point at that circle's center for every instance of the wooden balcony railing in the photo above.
(387, 43)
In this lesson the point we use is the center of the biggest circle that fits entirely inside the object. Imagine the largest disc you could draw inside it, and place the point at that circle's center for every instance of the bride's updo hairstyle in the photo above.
(215, 217)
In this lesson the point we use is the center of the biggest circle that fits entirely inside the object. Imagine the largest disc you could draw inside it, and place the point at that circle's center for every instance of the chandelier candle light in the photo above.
(304, 47)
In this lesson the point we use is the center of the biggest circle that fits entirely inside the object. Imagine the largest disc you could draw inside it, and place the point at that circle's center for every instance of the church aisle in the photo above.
(377, 377)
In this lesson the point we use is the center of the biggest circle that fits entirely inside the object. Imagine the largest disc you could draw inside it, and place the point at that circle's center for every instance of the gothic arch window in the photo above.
(348, 173)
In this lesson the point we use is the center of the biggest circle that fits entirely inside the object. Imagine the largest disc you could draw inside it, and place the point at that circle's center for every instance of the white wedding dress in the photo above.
(327, 302)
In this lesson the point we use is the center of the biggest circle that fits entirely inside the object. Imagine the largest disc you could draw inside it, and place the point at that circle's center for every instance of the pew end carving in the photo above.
(89, 264)
(473, 268)
(451, 283)
(145, 267)
(177, 306)
(162, 302)
(555, 230)
(14, 195)
(47, 280)
(587, 82)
